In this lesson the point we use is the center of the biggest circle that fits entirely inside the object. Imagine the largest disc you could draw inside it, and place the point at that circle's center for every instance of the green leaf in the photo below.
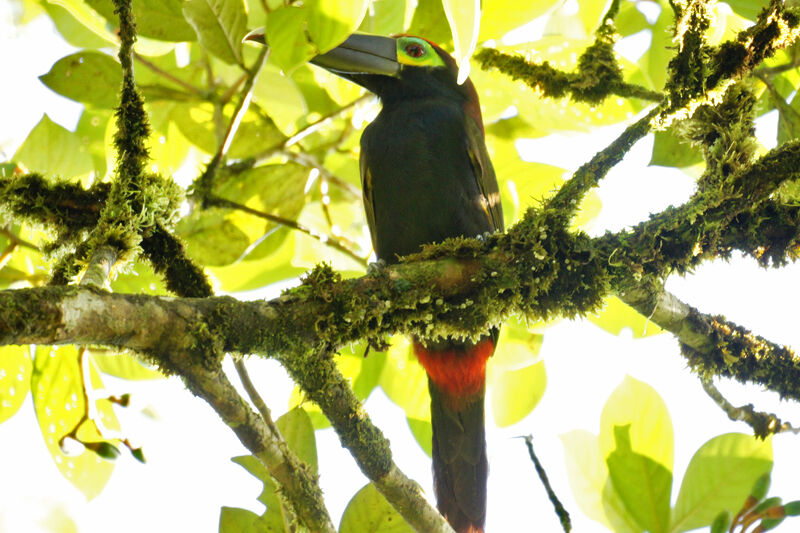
(235, 520)
(249, 275)
(642, 484)
(669, 150)
(516, 375)
(255, 134)
(422, 430)
(654, 62)
(58, 401)
(617, 315)
(515, 393)
(88, 18)
(71, 29)
(404, 380)
(15, 379)
(368, 511)
(719, 477)
(295, 427)
(286, 37)
(54, 150)
(385, 17)
(748, 9)
(297, 431)
(156, 19)
(220, 26)
(587, 474)
(464, 18)
(788, 120)
(430, 20)
(88, 77)
(123, 365)
(591, 13)
(91, 132)
(331, 21)
(501, 16)
(636, 404)
(212, 239)
(280, 96)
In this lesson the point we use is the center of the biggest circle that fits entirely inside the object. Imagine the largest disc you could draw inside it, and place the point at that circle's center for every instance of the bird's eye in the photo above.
(415, 50)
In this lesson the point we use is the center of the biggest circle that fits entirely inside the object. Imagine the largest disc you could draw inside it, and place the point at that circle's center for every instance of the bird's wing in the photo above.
(366, 191)
(484, 173)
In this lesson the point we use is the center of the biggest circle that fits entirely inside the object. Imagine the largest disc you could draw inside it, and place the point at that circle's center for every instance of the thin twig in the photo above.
(563, 515)
(329, 240)
(255, 397)
(13, 237)
(171, 77)
(761, 422)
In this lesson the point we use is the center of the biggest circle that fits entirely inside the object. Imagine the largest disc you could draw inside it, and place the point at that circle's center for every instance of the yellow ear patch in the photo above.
(417, 52)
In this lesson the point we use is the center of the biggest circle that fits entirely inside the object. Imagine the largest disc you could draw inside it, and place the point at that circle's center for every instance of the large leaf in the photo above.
(157, 19)
(719, 477)
(516, 375)
(58, 398)
(385, 17)
(220, 26)
(71, 29)
(15, 379)
(288, 45)
(88, 77)
(87, 18)
(54, 150)
(636, 404)
(748, 9)
(368, 511)
(430, 20)
(642, 484)
(404, 380)
(587, 473)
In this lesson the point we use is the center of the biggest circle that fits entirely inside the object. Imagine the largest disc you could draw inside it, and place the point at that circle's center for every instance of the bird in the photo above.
(426, 176)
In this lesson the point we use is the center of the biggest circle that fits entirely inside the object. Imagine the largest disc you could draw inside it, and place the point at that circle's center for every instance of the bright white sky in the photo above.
(189, 476)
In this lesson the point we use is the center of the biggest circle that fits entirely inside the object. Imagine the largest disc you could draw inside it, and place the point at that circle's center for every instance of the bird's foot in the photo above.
(373, 269)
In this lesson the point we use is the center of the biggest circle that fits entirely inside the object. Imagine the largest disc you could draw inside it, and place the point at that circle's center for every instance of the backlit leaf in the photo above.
(368, 511)
(54, 151)
(220, 26)
(719, 477)
(15, 379)
(88, 77)
(156, 19)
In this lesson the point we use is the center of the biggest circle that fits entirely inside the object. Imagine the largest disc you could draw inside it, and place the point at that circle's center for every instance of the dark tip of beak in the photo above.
(362, 54)
(257, 35)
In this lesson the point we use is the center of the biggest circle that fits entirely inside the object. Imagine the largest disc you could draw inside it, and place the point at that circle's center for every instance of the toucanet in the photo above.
(426, 176)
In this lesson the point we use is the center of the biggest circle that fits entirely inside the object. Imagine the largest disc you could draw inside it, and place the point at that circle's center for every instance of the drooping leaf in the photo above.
(404, 380)
(15, 379)
(430, 21)
(297, 431)
(719, 477)
(464, 18)
(88, 77)
(54, 151)
(58, 399)
(220, 26)
(86, 16)
(288, 44)
(384, 17)
(516, 375)
(642, 484)
(368, 511)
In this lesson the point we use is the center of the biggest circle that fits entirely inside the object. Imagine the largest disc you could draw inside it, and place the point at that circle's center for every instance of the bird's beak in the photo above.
(358, 54)
(362, 54)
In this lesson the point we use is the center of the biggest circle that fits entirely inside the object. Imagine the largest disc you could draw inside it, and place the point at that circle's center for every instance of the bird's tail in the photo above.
(456, 380)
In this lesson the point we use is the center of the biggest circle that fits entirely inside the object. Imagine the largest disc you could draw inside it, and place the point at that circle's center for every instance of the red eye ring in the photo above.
(415, 50)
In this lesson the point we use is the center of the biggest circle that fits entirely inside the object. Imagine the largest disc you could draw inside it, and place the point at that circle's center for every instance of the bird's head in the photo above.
(398, 68)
